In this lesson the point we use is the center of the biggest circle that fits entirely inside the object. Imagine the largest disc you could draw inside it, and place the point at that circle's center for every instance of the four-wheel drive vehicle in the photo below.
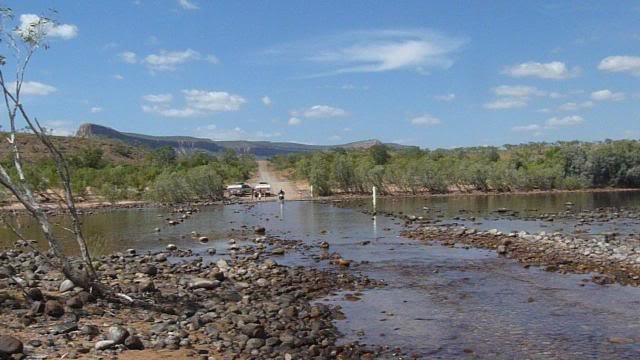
(240, 189)
(264, 188)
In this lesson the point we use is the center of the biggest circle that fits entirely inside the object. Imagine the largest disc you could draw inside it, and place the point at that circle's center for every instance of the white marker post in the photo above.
(375, 195)
(311, 186)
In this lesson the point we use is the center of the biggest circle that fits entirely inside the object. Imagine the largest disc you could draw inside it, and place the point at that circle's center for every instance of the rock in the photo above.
(146, 285)
(37, 307)
(501, 249)
(117, 334)
(259, 230)
(344, 262)
(254, 343)
(200, 283)
(149, 269)
(162, 257)
(64, 328)
(211, 251)
(218, 275)
(53, 308)
(203, 239)
(6, 271)
(131, 252)
(172, 247)
(222, 264)
(86, 297)
(277, 251)
(254, 331)
(104, 344)
(133, 342)
(324, 245)
(262, 282)
(89, 329)
(74, 302)
(35, 294)
(10, 345)
(66, 285)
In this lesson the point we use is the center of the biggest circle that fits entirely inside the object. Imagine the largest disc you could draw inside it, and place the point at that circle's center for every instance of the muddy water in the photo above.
(439, 302)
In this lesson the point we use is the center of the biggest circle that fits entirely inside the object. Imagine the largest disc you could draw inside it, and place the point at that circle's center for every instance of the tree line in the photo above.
(534, 166)
(162, 176)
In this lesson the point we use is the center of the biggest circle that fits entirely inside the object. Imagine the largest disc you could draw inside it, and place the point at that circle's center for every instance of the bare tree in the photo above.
(23, 42)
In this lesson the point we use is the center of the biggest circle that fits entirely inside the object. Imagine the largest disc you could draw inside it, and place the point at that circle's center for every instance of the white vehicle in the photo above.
(239, 189)
(264, 188)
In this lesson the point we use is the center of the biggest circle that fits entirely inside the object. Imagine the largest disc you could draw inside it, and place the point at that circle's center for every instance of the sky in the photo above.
(437, 74)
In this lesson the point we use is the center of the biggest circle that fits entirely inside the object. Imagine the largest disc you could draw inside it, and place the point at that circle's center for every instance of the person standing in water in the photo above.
(281, 194)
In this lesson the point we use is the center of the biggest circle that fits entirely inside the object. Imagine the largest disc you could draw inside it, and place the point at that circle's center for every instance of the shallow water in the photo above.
(440, 302)
(526, 207)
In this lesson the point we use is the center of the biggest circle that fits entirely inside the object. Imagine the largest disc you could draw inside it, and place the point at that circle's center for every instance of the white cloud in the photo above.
(213, 101)
(527, 128)
(376, 51)
(425, 120)
(294, 121)
(188, 5)
(553, 70)
(198, 103)
(95, 110)
(128, 57)
(169, 60)
(506, 103)
(215, 133)
(118, 77)
(320, 111)
(518, 91)
(607, 95)
(34, 24)
(36, 88)
(445, 97)
(266, 101)
(158, 98)
(565, 121)
(629, 64)
(59, 127)
(573, 106)
(169, 112)
(212, 59)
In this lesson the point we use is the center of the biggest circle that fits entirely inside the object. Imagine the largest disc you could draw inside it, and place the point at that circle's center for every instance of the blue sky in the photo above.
(427, 73)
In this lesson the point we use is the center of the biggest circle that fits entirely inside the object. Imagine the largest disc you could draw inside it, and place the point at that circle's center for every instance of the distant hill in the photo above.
(188, 144)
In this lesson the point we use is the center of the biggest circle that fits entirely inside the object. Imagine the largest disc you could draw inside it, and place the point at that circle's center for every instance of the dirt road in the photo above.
(267, 174)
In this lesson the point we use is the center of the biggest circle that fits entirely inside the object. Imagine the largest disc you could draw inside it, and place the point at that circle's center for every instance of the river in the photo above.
(440, 302)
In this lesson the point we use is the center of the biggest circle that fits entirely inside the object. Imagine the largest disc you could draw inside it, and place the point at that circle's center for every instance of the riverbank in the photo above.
(207, 307)
(88, 206)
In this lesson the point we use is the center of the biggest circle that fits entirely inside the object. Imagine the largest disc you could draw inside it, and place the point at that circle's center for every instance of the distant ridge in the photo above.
(188, 144)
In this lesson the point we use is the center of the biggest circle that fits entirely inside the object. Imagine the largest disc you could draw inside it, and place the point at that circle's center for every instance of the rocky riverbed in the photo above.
(610, 259)
(244, 306)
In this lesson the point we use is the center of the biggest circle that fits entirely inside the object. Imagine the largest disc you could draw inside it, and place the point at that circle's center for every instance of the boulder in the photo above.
(104, 344)
(66, 285)
(10, 345)
(53, 308)
(200, 283)
(117, 334)
(133, 342)
(35, 294)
